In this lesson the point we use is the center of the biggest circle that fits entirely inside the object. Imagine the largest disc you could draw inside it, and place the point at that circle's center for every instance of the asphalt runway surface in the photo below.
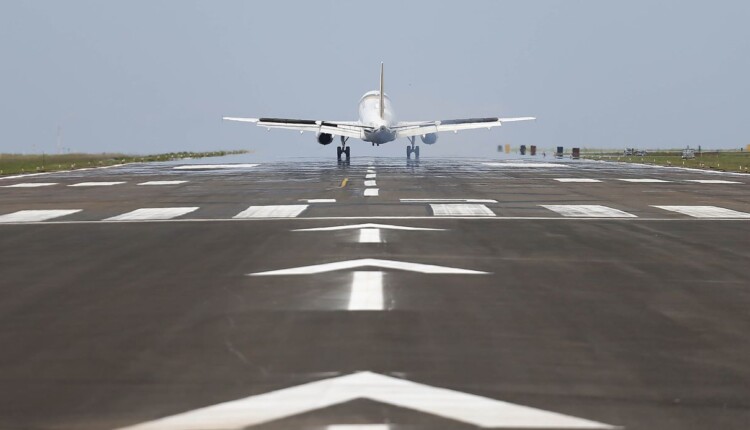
(380, 294)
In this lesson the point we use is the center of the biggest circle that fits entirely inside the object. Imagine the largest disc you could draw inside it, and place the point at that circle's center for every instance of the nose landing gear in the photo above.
(412, 149)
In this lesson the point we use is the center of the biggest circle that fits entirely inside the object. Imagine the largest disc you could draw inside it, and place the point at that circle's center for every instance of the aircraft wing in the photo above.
(337, 128)
(455, 125)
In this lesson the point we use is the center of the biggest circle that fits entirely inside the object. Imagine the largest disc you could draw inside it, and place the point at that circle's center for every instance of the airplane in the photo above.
(377, 125)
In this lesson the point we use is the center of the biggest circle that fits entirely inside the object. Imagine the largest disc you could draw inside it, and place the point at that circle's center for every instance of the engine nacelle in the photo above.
(429, 138)
(325, 138)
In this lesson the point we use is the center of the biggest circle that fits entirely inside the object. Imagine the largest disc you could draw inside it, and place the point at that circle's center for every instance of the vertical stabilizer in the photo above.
(382, 97)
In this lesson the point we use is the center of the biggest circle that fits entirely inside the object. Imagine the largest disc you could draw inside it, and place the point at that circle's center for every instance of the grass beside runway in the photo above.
(722, 161)
(12, 164)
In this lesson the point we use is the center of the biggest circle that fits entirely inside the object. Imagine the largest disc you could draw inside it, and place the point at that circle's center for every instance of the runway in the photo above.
(380, 294)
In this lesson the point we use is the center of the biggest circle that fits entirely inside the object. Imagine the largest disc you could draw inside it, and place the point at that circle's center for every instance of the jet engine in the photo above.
(325, 138)
(429, 138)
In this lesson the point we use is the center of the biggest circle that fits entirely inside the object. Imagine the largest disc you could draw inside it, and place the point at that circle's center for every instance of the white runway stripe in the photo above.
(369, 225)
(370, 235)
(31, 185)
(367, 292)
(152, 214)
(461, 210)
(213, 166)
(448, 200)
(535, 165)
(705, 211)
(712, 181)
(36, 215)
(370, 184)
(162, 183)
(370, 176)
(95, 184)
(283, 211)
(588, 211)
(371, 192)
(644, 180)
(587, 180)
(320, 200)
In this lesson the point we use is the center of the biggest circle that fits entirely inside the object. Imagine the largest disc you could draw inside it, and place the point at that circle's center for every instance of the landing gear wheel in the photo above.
(408, 152)
(338, 152)
(347, 152)
(416, 152)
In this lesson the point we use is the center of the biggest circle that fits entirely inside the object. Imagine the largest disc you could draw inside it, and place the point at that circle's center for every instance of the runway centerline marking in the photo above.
(367, 291)
(152, 214)
(213, 166)
(454, 405)
(371, 192)
(448, 200)
(280, 211)
(369, 262)
(31, 185)
(162, 183)
(96, 184)
(588, 211)
(370, 184)
(705, 211)
(370, 235)
(461, 210)
(369, 225)
(36, 215)
(370, 176)
(712, 181)
(644, 180)
(583, 180)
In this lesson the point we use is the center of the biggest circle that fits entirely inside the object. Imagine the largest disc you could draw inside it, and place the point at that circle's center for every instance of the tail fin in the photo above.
(382, 97)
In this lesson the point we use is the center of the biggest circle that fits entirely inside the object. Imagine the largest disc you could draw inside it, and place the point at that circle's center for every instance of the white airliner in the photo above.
(377, 124)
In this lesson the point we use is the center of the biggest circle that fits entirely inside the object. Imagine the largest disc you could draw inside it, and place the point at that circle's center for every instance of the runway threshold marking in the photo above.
(367, 292)
(583, 180)
(96, 184)
(31, 185)
(530, 165)
(370, 183)
(644, 180)
(588, 211)
(369, 225)
(705, 211)
(370, 235)
(454, 405)
(369, 262)
(372, 192)
(461, 210)
(358, 427)
(213, 166)
(281, 211)
(712, 181)
(153, 214)
(36, 215)
(448, 201)
(162, 183)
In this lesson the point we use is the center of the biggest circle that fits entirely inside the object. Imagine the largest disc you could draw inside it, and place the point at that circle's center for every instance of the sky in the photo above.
(148, 76)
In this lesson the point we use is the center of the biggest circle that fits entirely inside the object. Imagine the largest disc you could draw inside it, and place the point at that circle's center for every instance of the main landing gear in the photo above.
(412, 149)
(343, 149)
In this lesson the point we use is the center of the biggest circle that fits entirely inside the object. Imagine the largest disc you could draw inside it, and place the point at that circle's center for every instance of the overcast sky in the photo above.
(156, 76)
